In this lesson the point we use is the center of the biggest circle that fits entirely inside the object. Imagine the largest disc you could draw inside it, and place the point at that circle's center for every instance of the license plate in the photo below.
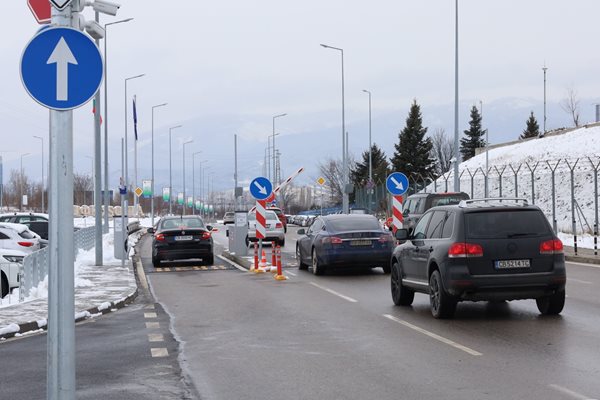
(512, 264)
(183, 238)
(361, 243)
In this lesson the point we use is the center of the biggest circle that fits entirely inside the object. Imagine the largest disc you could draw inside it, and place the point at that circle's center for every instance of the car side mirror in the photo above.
(402, 235)
(301, 231)
(209, 227)
(151, 230)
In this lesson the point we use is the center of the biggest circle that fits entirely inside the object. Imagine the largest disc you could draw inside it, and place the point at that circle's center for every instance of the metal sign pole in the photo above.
(60, 383)
(97, 169)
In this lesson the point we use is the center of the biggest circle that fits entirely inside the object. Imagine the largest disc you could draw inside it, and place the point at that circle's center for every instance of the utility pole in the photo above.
(235, 172)
(545, 69)
(370, 186)
(456, 146)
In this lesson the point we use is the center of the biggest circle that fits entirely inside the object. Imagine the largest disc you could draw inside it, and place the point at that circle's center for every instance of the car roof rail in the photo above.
(497, 201)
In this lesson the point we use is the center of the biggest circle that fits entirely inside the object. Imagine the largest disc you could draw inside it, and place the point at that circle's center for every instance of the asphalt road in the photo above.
(339, 336)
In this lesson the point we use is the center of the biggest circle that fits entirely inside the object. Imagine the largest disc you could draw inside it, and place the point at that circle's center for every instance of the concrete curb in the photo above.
(239, 260)
(582, 259)
(80, 316)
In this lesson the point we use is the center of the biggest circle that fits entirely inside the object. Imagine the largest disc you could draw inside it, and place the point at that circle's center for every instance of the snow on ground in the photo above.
(550, 152)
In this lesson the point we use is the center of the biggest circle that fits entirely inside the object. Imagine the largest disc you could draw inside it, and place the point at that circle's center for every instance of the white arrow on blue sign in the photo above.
(61, 68)
(397, 183)
(261, 188)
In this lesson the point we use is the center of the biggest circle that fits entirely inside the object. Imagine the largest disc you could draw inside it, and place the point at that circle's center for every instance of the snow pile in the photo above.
(578, 150)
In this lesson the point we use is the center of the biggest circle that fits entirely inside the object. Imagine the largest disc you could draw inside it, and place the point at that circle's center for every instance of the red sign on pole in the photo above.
(41, 10)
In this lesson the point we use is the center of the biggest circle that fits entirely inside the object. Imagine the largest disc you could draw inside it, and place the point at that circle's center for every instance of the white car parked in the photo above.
(10, 262)
(18, 237)
(274, 229)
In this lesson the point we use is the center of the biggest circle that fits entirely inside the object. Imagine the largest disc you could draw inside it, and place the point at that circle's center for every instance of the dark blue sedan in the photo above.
(337, 241)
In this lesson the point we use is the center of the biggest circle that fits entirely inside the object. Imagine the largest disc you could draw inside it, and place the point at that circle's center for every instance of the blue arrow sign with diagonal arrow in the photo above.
(397, 183)
(61, 68)
(261, 188)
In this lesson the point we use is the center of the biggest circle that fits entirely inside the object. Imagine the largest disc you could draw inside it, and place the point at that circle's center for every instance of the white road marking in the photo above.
(291, 273)
(149, 307)
(156, 337)
(579, 281)
(569, 392)
(434, 336)
(234, 264)
(582, 264)
(159, 352)
(333, 292)
(150, 315)
(152, 325)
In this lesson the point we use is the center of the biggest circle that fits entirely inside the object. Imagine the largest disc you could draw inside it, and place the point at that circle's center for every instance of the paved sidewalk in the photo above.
(106, 288)
(583, 255)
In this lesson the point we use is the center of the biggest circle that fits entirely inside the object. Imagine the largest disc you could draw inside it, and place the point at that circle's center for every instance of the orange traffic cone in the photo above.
(263, 263)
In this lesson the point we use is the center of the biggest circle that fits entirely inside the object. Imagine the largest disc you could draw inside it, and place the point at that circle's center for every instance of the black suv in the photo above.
(487, 249)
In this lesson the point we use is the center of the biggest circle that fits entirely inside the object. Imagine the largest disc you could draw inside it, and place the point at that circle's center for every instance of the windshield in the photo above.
(270, 216)
(178, 223)
(506, 224)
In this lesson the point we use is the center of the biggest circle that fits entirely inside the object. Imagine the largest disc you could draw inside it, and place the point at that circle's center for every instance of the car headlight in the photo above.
(14, 259)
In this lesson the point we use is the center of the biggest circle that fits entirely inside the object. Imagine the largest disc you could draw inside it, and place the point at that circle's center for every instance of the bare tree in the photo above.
(82, 185)
(442, 151)
(332, 171)
(570, 105)
(286, 196)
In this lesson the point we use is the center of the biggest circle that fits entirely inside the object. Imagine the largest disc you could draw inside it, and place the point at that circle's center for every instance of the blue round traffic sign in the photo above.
(397, 183)
(61, 68)
(261, 188)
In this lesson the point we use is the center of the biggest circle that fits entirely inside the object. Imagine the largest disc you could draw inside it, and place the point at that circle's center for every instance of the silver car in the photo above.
(274, 229)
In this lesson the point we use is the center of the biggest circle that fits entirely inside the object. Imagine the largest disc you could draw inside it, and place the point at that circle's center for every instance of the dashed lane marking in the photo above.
(579, 281)
(290, 273)
(150, 315)
(159, 352)
(191, 268)
(152, 325)
(156, 337)
(433, 335)
(149, 307)
(333, 292)
(570, 392)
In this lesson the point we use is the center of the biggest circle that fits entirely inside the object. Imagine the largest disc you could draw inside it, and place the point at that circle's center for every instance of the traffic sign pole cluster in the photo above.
(261, 189)
(397, 184)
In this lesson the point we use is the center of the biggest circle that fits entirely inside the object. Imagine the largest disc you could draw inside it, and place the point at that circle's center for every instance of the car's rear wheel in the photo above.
(442, 304)
(401, 295)
(156, 262)
(210, 260)
(301, 265)
(317, 268)
(4, 286)
(247, 241)
(282, 242)
(553, 304)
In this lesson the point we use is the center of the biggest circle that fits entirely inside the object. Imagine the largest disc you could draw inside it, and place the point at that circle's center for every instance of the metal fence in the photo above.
(35, 266)
(565, 189)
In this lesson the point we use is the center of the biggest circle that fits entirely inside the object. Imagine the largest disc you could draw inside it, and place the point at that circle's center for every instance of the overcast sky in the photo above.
(227, 67)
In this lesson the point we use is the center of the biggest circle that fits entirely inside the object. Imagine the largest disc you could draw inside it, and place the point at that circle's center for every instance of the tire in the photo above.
(156, 262)
(301, 265)
(386, 269)
(401, 295)
(210, 260)
(3, 286)
(247, 241)
(551, 305)
(442, 304)
(282, 243)
(317, 269)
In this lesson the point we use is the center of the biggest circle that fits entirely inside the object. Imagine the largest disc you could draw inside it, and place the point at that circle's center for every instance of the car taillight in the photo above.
(386, 238)
(25, 244)
(465, 250)
(554, 246)
(279, 225)
(206, 235)
(159, 237)
(332, 240)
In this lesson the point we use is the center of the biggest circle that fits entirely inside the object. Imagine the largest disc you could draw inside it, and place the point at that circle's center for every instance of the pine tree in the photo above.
(474, 136)
(532, 130)
(413, 152)
(381, 167)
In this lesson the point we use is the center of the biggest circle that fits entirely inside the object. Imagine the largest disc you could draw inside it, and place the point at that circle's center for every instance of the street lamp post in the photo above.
(370, 188)
(43, 186)
(545, 69)
(203, 173)
(345, 198)
(127, 150)
(194, 181)
(184, 194)
(152, 198)
(274, 158)
(91, 175)
(21, 180)
(106, 177)
(456, 147)
(171, 169)
(487, 148)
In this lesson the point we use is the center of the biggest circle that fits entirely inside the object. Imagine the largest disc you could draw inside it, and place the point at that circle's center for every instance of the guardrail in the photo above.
(35, 266)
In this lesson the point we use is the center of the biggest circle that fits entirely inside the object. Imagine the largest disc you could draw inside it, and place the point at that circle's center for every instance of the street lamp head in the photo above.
(118, 22)
(188, 142)
(134, 77)
(159, 105)
(280, 115)
(324, 45)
